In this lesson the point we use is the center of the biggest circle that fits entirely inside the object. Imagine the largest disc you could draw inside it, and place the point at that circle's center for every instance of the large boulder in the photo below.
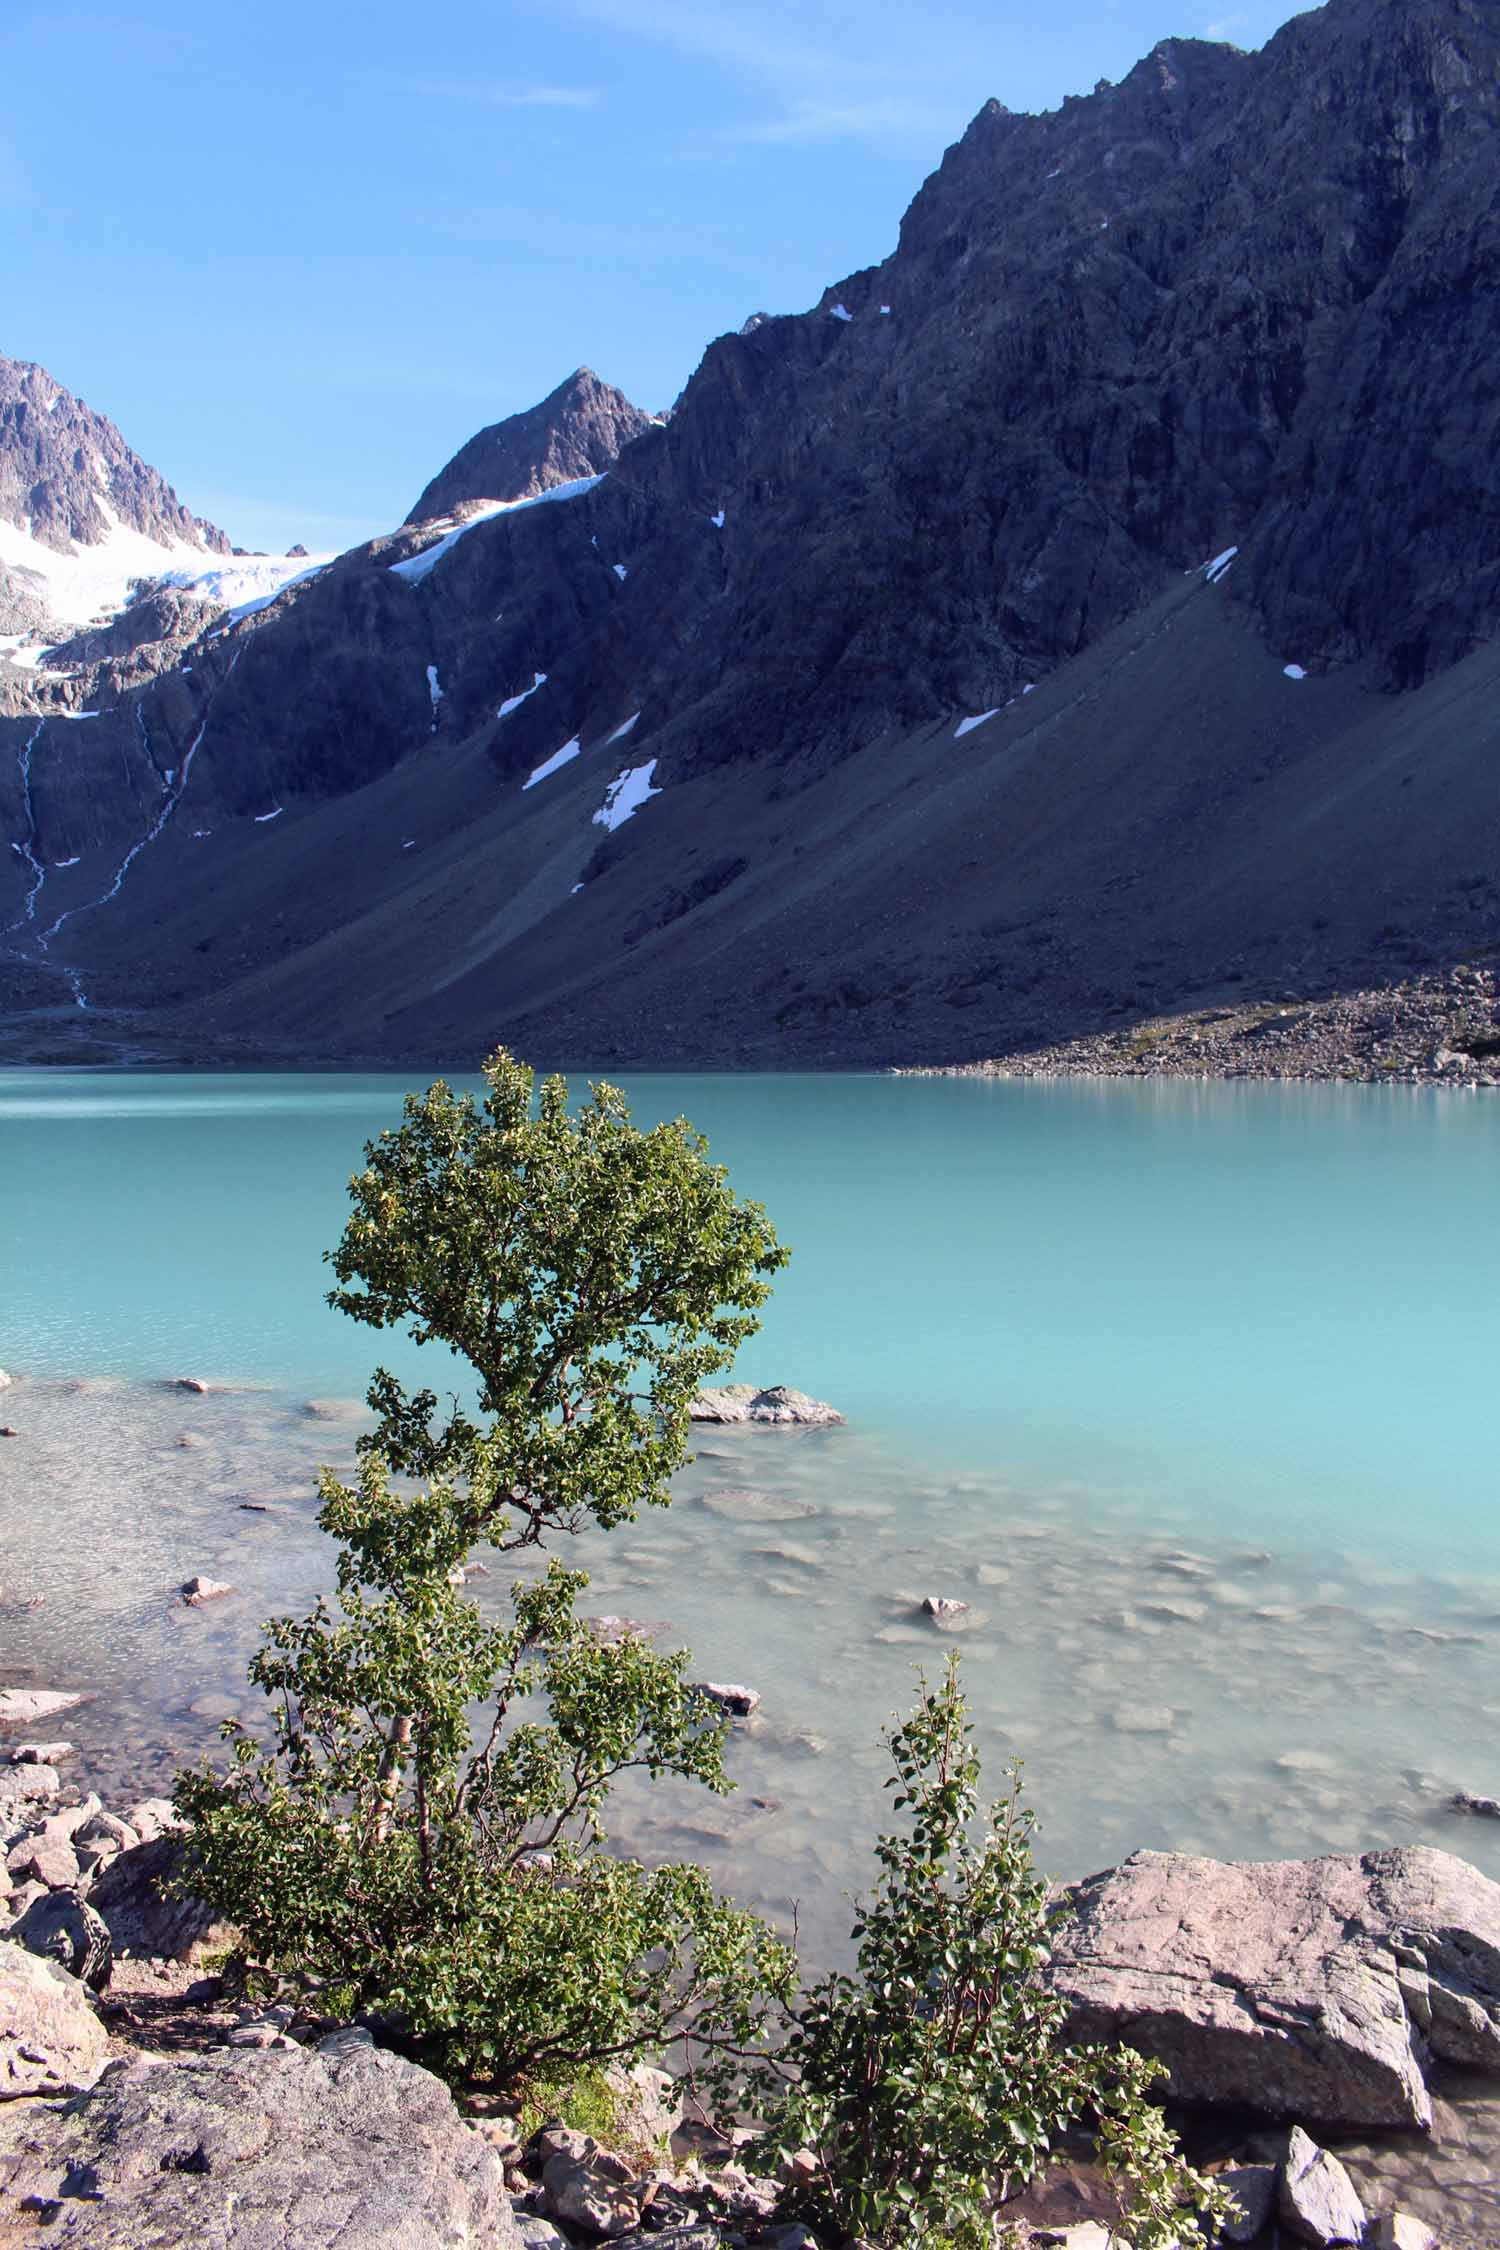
(51, 2041)
(256, 2149)
(1315, 1989)
(137, 1900)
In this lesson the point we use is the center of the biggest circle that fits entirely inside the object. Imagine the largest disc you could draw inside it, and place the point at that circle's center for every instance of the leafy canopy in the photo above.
(592, 1276)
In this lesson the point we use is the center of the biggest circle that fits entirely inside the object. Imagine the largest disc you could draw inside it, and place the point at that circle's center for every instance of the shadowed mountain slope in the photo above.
(1239, 308)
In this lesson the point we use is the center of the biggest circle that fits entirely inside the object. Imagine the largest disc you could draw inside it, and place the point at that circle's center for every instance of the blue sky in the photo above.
(299, 250)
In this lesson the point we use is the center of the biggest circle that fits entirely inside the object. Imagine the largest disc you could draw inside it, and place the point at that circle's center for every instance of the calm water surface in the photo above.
(1188, 1390)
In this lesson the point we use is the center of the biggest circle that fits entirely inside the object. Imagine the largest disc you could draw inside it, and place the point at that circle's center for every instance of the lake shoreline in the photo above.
(1437, 1030)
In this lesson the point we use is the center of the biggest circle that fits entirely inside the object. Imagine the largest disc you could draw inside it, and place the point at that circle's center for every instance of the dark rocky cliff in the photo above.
(578, 430)
(1238, 301)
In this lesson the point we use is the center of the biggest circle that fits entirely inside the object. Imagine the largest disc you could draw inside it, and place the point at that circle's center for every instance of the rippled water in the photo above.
(1187, 1391)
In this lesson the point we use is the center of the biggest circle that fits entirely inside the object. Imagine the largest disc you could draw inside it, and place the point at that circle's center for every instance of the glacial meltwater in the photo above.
(1188, 1391)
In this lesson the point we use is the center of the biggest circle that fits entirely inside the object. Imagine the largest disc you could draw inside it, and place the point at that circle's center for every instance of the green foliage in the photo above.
(932, 2081)
(422, 1837)
(412, 1865)
(593, 1277)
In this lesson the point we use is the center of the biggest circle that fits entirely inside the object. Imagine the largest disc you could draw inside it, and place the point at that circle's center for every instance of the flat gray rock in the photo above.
(51, 2041)
(251, 2149)
(1314, 1989)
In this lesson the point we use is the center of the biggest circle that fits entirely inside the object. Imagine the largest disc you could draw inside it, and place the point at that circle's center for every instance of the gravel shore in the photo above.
(1439, 1029)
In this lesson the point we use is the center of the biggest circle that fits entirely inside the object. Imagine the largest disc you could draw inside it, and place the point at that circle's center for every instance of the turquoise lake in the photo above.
(1189, 1390)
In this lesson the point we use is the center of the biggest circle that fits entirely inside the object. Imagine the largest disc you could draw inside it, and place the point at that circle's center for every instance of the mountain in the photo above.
(81, 515)
(1088, 610)
(578, 430)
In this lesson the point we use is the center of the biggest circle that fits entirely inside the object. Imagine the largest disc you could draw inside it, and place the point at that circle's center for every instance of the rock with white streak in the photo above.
(1317, 2202)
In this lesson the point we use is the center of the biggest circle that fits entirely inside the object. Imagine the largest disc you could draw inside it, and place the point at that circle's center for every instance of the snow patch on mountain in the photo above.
(93, 582)
(248, 583)
(558, 759)
(625, 796)
(967, 726)
(514, 702)
(416, 567)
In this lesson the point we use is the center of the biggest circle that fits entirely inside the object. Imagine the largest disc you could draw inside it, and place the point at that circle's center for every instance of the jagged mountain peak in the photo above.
(68, 478)
(577, 430)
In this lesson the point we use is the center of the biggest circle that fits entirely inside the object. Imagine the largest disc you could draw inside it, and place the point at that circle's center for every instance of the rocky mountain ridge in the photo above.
(1089, 609)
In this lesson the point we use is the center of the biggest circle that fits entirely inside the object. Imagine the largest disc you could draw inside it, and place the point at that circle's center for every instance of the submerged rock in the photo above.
(1309, 1989)
(21, 1707)
(251, 2149)
(742, 1402)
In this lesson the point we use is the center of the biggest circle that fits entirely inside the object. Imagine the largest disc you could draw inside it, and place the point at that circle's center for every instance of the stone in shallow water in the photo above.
(741, 1503)
(1142, 1718)
(742, 1402)
(24, 1706)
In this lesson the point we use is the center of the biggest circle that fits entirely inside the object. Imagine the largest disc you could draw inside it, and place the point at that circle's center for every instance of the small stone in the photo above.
(39, 1753)
(1317, 2202)
(8, 1429)
(943, 1606)
(44, 1859)
(1253, 2188)
(153, 1816)
(214, 1707)
(194, 1383)
(28, 1785)
(197, 1590)
(739, 1702)
(1486, 1808)
(538, 2233)
(1398, 2230)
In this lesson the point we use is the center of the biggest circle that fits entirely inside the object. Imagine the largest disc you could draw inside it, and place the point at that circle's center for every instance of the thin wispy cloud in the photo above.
(833, 120)
(484, 93)
(1225, 28)
(817, 89)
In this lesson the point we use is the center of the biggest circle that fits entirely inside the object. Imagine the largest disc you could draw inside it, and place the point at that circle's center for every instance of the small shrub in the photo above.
(932, 2081)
